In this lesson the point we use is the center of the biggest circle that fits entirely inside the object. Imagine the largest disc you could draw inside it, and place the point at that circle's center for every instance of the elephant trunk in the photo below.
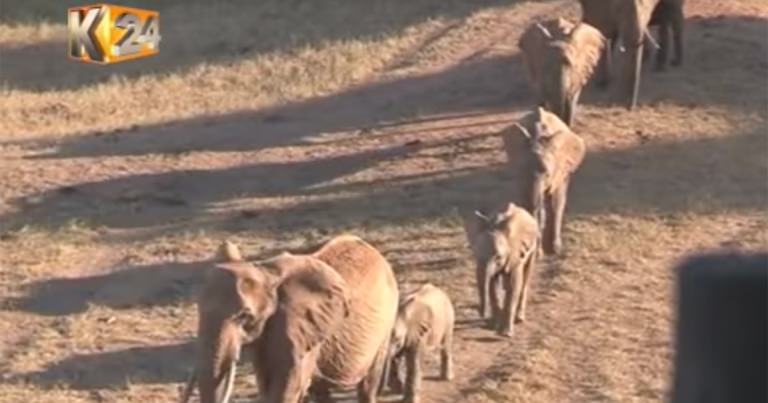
(485, 300)
(483, 287)
(219, 352)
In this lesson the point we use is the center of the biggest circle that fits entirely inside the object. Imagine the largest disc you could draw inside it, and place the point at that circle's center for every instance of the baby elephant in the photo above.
(424, 323)
(547, 153)
(505, 246)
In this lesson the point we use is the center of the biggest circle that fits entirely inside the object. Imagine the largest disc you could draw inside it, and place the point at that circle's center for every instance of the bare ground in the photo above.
(382, 126)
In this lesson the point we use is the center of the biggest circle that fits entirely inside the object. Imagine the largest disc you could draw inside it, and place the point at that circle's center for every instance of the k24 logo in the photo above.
(105, 33)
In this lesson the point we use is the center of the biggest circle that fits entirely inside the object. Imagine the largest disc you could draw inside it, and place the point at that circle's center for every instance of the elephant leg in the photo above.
(413, 375)
(559, 200)
(527, 270)
(395, 375)
(571, 108)
(604, 64)
(548, 234)
(661, 56)
(677, 19)
(368, 388)
(496, 311)
(446, 356)
(513, 284)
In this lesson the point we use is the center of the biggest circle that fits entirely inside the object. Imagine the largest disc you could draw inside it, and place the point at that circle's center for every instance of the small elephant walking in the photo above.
(505, 245)
(560, 57)
(300, 318)
(424, 323)
(547, 153)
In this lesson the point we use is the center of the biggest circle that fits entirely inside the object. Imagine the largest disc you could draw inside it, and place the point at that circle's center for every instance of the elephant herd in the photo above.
(334, 317)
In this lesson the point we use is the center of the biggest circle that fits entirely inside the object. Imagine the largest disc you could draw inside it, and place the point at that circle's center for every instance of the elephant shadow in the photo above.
(154, 364)
(122, 289)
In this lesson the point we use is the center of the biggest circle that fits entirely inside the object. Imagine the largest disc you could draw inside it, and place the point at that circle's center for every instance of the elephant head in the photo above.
(234, 306)
(561, 57)
(285, 307)
(411, 324)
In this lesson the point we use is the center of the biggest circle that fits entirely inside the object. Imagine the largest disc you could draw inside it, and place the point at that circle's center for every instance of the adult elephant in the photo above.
(321, 319)
(627, 21)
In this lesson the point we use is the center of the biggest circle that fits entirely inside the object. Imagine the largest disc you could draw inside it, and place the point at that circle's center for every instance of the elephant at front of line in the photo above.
(301, 319)
(627, 22)
(505, 246)
(424, 324)
(560, 57)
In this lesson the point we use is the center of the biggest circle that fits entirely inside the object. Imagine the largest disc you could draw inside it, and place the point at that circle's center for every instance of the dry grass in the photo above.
(292, 122)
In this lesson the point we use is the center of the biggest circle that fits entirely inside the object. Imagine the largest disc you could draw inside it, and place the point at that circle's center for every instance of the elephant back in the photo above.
(349, 353)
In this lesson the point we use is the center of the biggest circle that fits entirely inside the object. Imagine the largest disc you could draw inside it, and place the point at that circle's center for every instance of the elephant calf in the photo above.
(549, 153)
(424, 323)
(560, 57)
(505, 245)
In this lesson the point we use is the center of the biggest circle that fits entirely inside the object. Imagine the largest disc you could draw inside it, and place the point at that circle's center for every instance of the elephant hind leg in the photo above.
(549, 236)
(368, 388)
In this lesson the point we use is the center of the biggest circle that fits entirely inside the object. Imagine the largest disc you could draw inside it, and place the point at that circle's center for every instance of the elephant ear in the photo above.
(313, 301)
(583, 52)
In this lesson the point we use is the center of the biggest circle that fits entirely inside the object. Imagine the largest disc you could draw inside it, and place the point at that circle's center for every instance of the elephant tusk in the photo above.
(523, 130)
(651, 40)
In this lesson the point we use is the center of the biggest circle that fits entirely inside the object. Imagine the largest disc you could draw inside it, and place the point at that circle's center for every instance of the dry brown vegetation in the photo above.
(278, 123)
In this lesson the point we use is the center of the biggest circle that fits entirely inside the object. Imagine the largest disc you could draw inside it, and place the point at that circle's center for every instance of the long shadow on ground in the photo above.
(120, 368)
(209, 32)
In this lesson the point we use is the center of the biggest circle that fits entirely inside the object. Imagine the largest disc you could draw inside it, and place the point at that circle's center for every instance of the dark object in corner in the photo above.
(721, 353)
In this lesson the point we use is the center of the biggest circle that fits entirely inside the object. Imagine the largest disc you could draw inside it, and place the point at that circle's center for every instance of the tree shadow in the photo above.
(120, 368)
(126, 288)
(212, 32)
